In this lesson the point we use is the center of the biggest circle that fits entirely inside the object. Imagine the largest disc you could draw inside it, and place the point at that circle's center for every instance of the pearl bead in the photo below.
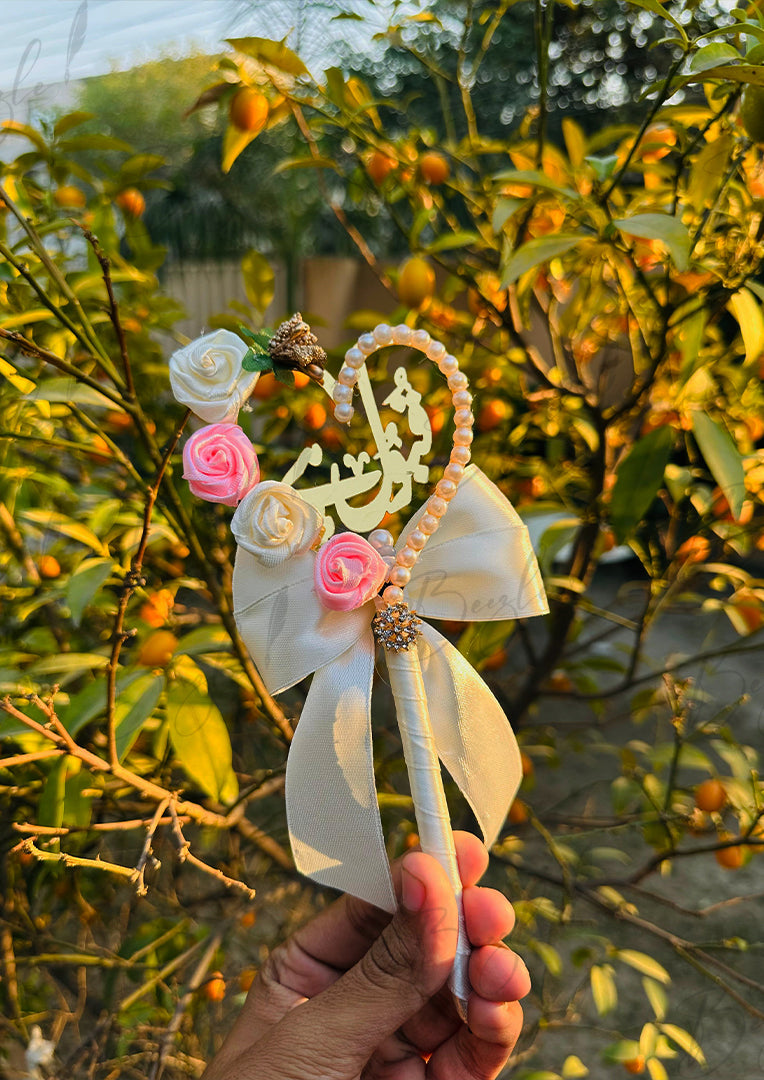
(436, 351)
(462, 399)
(392, 594)
(420, 339)
(407, 556)
(354, 358)
(400, 576)
(429, 524)
(454, 472)
(463, 436)
(383, 334)
(463, 418)
(416, 539)
(446, 489)
(437, 506)
(448, 365)
(366, 344)
(343, 395)
(380, 538)
(458, 381)
(402, 334)
(460, 455)
(348, 376)
(343, 413)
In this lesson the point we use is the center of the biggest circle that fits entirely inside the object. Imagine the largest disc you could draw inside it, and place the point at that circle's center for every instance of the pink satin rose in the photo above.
(348, 572)
(220, 464)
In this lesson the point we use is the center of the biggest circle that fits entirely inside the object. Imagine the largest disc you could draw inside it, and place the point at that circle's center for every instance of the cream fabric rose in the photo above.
(207, 376)
(274, 523)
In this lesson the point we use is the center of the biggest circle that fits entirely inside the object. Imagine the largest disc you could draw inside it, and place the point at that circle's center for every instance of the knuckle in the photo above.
(393, 959)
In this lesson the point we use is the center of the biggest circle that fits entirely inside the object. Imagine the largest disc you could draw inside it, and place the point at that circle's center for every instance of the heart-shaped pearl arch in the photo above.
(437, 504)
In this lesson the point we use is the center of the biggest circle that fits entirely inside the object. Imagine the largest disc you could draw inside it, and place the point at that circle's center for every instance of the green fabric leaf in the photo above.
(200, 739)
(669, 230)
(723, 459)
(256, 361)
(638, 479)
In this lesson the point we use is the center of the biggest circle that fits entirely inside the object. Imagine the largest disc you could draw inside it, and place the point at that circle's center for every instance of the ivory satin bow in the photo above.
(479, 566)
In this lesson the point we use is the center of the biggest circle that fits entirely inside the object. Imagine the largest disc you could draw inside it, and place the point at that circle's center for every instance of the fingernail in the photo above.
(414, 892)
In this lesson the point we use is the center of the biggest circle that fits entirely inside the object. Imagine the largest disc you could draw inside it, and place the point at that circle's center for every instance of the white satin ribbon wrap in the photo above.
(479, 566)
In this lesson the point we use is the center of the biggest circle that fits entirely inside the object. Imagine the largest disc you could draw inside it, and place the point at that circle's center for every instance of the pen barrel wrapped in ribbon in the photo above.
(427, 792)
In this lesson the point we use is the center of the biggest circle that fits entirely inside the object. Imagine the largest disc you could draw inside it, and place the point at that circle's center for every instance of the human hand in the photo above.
(357, 992)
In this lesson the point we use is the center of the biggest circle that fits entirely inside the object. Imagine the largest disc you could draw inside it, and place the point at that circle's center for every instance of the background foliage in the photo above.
(601, 286)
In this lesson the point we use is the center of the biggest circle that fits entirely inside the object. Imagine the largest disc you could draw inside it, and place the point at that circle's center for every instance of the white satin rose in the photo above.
(207, 376)
(274, 523)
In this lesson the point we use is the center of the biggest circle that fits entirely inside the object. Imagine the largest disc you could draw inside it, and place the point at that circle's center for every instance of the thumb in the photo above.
(406, 965)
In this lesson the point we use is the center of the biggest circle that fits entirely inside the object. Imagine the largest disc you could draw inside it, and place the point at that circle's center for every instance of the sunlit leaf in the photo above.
(657, 997)
(535, 252)
(270, 53)
(200, 739)
(722, 457)
(644, 963)
(747, 311)
(669, 230)
(573, 1067)
(134, 706)
(60, 523)
(684, 1041)
(234, 141)
(257, 274)
(19, 382)
(603, 989)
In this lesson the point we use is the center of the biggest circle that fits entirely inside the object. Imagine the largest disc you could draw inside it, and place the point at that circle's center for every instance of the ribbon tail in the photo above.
(472, 735)
(331, 799)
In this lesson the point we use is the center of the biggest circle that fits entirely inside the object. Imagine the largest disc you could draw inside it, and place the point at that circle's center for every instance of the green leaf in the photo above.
(657, 997)
(204, 639)
(68, 391)
(708, 170)
(535, 252)
(60, 523)
(90, 703)
(200, 739)
(711, 55)
(68, 664)
(684, 1041)
(270, 53)
(644, 963)
(603, 989)
(669, 230)
(602, 167)
(503, 211)
(454, 240)
(84, 583)
(50, 810)
(549, 956)
(741, 73)
(258, 280)
(535, 179)
(722, 457)
(77, 805)
(133, 708)
(638, 479)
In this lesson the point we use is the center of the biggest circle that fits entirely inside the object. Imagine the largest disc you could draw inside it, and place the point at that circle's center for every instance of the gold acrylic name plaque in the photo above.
(392, 472)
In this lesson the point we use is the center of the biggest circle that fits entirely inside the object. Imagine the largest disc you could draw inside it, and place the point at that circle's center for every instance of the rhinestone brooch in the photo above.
(396, 627)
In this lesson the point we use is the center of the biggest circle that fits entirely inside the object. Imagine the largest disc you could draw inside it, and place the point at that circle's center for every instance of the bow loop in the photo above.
(479, 566)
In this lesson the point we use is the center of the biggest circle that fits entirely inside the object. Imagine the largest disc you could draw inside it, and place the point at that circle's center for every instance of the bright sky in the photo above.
(55, 41)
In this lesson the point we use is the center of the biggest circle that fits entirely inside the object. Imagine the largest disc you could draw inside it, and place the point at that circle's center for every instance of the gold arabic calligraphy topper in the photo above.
(307, 601)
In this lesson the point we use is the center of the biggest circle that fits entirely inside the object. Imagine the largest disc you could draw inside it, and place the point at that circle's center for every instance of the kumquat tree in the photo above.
(600, 279)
